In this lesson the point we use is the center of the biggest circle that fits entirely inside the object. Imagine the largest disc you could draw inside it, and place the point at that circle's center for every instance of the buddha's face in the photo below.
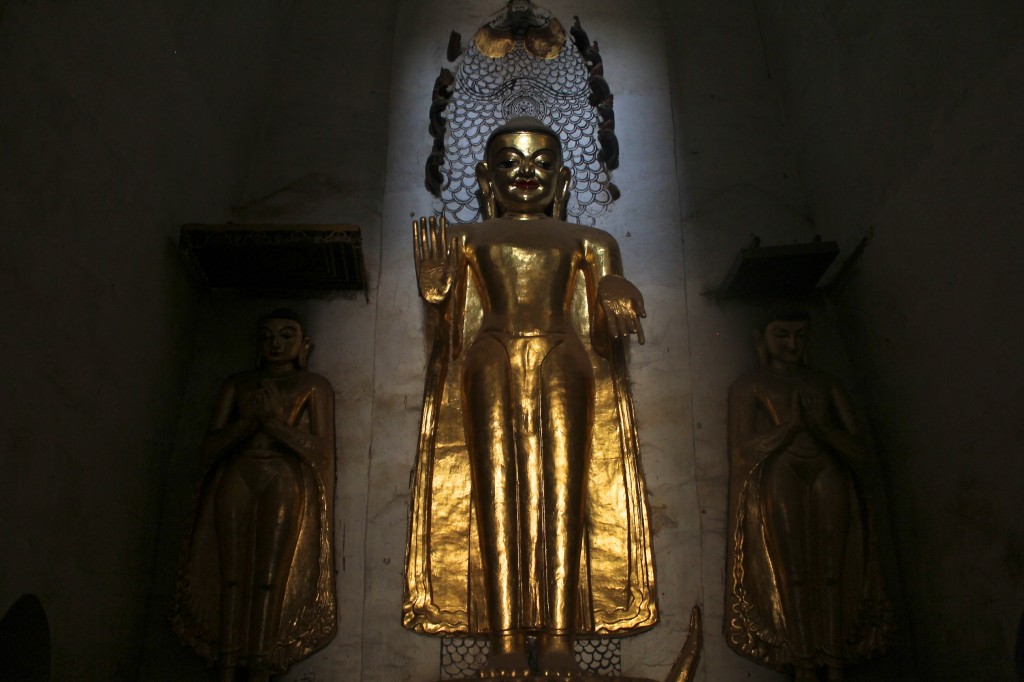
(280, 341)
(786, 342)
(525, 169)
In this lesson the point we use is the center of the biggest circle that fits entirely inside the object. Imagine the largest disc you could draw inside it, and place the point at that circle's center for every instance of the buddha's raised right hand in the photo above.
(435, 258)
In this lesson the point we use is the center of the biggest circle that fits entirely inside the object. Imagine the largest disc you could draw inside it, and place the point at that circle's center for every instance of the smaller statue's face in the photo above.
(524, 168)
(280, 341)
(786, 341)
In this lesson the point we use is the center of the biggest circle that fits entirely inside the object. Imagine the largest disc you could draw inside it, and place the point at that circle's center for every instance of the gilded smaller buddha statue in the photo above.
(256, 577)
(803, 591)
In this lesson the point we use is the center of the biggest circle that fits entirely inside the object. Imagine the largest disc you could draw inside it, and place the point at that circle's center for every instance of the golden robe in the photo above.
(309, 612)
(444, 586)
(757, 625)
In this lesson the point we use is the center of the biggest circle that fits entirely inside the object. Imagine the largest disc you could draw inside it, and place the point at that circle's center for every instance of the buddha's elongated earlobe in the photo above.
(561, 194)
(302, 361)
(483, 177)
(762, 348)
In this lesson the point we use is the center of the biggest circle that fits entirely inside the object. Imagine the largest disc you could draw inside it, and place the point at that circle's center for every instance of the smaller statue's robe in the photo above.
(309, 612)
(444, 591)
(756, 623)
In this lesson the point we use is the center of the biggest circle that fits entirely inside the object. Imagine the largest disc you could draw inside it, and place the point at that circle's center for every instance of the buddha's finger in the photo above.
(627, 317)
(421, 230)
(633, 323)
(425, 237)
(435, 244)
(421, 239)
(611, 314)
(436, 241)
(416, 244)
(428, 237)
(639, 333)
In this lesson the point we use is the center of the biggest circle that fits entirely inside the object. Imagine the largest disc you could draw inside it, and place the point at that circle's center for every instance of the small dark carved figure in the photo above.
(455, 48)
(592, 56)
(803, 589)
(441, 95)
(599, 91)
(256, 578)
(609, 153)
(579, 36)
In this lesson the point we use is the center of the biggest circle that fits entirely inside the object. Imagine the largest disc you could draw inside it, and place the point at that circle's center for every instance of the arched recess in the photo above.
(25, 651)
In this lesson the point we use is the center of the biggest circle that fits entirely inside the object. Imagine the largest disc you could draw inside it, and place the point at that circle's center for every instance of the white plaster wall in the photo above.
(318, 158)
(111, 135)
(737, 178)
(906, 121)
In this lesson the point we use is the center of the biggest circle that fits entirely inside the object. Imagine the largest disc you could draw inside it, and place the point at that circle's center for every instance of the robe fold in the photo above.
(444, 585)
(309, 612)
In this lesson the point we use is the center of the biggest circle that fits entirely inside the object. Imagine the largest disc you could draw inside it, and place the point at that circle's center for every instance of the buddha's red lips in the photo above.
(527, 184)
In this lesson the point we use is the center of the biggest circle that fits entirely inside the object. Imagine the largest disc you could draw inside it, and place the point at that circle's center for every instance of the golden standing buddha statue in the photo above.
(256, 577)
(529, 515)
(803, 585)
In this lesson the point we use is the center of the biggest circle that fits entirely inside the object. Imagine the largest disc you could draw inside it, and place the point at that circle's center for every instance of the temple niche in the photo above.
(804, 592)
(255, 588)
(698, 129)
(529, 534)
(507, 66)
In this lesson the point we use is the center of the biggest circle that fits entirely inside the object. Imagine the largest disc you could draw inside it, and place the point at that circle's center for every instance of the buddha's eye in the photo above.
(508, 162)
